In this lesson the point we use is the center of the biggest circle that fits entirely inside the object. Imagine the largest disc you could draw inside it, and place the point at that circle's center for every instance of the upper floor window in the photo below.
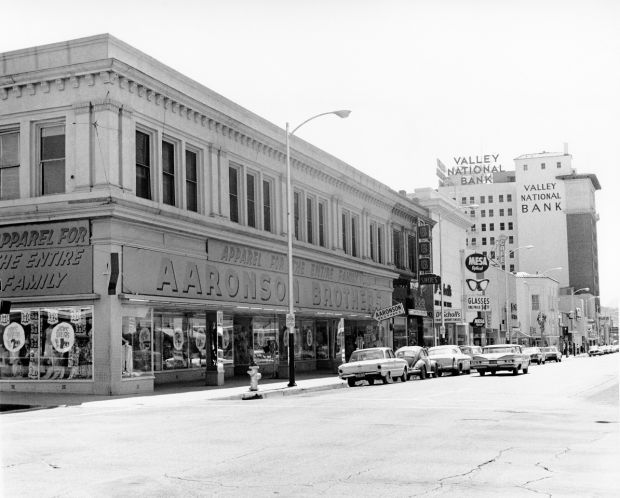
(508, 197)
(490, 199)
(509, 212)
(558, 164)
(491, 227)
(354, 235)
(543, 166)
(483, 227)
(233, 193)
(191, 181)
(296, 214)
(167, 169)
(482, 198)
(472, 200)
(463, 200)
(321, 227)
(9, 165)
(535, 302)
(510, 225)
(473, 241)
(511, 239)
(502, 226)
(484, 241)
(525, 167)
(267, 202)
(397, 238)
(380, 243)
(310, 219)
(483, 213)
(501, 197)
(490, 213)
(52, 159)
(143, 165)
(501, 212)
(250, 187)
(345, 229)
(411, 252)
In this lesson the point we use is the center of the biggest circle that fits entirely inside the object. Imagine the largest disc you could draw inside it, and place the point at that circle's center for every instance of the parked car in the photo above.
(373, 364)
(536, 355)
(606, 349)
(471, 351)
(551, 353)
(418, 361)
(498, 357)
(450, 359)
(595, 351)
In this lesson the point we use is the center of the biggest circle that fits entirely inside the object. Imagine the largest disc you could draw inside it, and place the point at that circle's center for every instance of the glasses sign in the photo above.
(477, 262)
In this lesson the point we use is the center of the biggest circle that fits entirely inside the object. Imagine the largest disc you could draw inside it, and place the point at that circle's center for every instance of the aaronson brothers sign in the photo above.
(240, 274)
(475, 169)
(46, 259)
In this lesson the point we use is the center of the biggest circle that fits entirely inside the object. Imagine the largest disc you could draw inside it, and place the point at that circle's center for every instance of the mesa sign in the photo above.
(477, 262)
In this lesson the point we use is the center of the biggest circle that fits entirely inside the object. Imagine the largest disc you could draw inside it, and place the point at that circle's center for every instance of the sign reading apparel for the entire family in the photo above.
(46, 259)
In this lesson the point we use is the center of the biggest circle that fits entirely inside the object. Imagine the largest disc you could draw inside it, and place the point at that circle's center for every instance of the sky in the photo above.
(423, 79)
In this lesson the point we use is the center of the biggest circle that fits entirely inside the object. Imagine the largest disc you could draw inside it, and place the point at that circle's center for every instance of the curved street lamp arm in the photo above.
(342, 114)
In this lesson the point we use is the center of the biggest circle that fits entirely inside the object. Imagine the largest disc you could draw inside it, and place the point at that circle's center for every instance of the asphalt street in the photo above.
(551, 432)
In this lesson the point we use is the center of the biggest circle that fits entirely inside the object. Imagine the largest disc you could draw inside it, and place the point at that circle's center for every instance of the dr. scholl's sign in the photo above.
(449, 316)
(540, 198)
(46, 259)
(475, 169)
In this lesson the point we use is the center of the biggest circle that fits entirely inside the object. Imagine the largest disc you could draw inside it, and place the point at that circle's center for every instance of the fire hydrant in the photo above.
(255, 376)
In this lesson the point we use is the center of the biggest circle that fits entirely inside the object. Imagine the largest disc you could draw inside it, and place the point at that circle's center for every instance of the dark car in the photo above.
(536, 355)
(418, 361)
(551, 353)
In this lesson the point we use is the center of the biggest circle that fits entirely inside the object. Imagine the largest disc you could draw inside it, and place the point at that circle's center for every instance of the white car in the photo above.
(450, 359)
(499, 357)
(373, 364)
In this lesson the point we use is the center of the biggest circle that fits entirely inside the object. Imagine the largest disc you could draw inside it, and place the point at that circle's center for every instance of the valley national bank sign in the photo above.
(473, 170)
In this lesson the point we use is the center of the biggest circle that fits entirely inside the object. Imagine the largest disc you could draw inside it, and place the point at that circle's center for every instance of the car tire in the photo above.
(423, 373)
(439, 373)
(515, 371)
(370, 381)
(387, 378)
(525, 370)
(482, 372)
(351, 382)
(403, 377)
(493, 372)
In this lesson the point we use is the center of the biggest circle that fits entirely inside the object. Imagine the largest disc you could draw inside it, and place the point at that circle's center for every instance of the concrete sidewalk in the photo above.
(234, 389)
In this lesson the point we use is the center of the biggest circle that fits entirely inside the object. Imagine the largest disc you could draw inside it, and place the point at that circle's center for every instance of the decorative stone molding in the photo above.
(219, 124)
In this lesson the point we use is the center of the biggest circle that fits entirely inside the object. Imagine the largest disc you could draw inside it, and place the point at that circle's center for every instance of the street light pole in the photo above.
(573, 310)
(508, 313)
(290, 319)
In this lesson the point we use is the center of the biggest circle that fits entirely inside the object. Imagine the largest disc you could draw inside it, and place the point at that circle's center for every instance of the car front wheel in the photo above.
(525, 370)
(351, 382)
(515, 371)
(482, 372)
(403, 377)
(371, 381)
(423, 373)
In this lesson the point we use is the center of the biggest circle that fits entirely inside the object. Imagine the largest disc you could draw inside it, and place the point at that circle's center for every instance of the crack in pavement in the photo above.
(525, 484)
(463, 474)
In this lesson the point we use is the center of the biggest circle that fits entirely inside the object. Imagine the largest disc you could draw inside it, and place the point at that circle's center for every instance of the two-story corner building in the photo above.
(143, 230)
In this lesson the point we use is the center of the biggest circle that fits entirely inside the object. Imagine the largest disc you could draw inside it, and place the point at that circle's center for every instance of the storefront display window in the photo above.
(47, 344)
(227, 341)
(308, 343)
(264, 332)
(180, 340)
(400, 332)
(137, 330)
(322, 338)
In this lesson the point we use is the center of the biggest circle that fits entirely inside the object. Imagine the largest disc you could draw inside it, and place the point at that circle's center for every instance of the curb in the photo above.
(279, 393)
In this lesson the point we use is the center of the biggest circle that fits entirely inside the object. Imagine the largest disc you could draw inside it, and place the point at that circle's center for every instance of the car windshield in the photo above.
(548, 349)
(440, 351)
(406, 353)
(505, 349)
(366, 355)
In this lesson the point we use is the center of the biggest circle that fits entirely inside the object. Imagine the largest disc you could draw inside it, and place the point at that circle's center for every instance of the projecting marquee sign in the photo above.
(478, 303)
(389, 312)
(477, 263)
(475, 169)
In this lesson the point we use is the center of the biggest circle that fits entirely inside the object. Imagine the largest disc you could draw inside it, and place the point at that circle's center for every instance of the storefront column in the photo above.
(215, 371)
